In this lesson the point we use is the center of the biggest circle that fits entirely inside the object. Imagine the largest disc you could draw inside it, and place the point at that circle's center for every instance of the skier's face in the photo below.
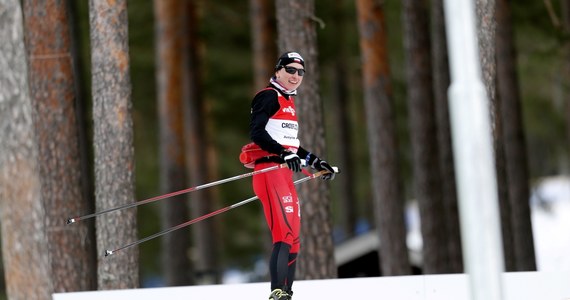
(289, 76)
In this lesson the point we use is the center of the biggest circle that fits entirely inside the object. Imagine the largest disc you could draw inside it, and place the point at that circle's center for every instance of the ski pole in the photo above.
(188, 190)
(206, 216)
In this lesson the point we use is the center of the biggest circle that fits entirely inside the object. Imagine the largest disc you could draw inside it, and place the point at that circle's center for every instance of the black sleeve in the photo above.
(263, 106)
(306, 155)
(302, 153)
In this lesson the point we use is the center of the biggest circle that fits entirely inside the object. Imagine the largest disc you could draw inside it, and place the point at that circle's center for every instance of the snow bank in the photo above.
(521, 285)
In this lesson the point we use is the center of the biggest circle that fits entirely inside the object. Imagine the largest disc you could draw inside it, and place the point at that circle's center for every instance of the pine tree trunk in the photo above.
(263, 41)
(170, 16)
(21, 210)
(341, 108)
(381, 125)
(296, 22)
(486, 32)
(52, 86)
(515, 141)
(113, 140)
(427, 178)
(263, 33)
(565, 11)
(441, 81)
(199, 163)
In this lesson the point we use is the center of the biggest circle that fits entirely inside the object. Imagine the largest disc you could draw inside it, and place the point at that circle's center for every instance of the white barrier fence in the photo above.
(516, 286)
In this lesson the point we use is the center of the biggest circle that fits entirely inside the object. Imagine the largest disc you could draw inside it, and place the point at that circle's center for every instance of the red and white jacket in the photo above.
(274, 126)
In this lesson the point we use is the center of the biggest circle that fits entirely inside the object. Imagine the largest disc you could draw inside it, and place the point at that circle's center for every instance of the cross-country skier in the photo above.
(274, 131)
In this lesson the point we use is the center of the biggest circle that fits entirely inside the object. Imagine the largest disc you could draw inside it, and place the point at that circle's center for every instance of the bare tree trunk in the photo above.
(170, 16)
(515, 141)
(341, 109)
(21, 209)
(503, 197)
(565, 15)
(427, 176)
(263, 41)
(296, 31)
(81, 112)
(264, 47)
(113, 139)
(486, 27)
(565, 9)
(441, 83)
(205, 242)
(53, 92)
(380, 119)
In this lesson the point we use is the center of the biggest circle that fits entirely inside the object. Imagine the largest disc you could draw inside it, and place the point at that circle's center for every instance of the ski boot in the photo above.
(279, 294)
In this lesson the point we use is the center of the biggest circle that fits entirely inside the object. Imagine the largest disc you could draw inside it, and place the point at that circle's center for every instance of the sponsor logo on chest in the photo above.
(289, 109)
(287, 125)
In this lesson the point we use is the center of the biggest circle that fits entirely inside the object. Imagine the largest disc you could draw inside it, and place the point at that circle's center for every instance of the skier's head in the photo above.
(289, 70)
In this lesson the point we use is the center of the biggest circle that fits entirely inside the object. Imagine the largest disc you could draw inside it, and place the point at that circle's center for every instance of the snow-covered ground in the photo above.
(516, 286)
(551, 223)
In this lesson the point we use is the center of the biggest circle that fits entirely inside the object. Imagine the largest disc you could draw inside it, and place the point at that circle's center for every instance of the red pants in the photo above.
(277, 193)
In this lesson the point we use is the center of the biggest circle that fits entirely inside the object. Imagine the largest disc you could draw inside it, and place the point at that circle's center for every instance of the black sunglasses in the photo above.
(292, 70)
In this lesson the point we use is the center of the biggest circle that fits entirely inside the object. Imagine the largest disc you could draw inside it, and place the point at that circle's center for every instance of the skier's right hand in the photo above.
(293, 161)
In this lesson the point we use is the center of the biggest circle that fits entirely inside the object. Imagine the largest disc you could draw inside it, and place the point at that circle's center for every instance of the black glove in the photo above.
(321, 165)
(293, 161)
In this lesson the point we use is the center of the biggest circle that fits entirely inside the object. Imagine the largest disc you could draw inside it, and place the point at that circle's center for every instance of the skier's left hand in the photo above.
(322, 165)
